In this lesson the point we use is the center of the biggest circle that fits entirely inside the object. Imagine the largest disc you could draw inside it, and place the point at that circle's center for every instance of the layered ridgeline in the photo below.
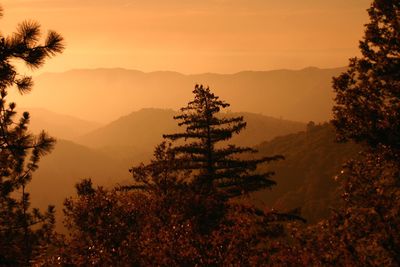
(68, 164)
(106, 94)
(306, 178)
(58, 125)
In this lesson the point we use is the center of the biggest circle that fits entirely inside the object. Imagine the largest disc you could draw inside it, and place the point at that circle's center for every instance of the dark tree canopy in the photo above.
(23, 231)
(364, 229)
(153, 228)
(368, 94)
(215, 166)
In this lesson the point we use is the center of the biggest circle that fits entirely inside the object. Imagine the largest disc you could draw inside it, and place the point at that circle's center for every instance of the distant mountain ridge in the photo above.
(106, 94)
(58, 125)
(68, 164)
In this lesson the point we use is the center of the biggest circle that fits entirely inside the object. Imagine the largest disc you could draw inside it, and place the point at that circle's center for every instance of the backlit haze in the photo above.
(129, 65)
(107, 40)
(223, 36)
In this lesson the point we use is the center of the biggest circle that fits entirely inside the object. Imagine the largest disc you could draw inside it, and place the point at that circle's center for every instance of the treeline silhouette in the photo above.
(189, 206)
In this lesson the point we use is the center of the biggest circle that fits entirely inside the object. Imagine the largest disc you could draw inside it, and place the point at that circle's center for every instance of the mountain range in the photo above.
(106, 94)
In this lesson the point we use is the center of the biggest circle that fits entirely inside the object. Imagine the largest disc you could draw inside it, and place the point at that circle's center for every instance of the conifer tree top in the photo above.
(215, 165)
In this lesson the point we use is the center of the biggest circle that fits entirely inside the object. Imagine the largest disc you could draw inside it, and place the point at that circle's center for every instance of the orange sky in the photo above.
(192, 36)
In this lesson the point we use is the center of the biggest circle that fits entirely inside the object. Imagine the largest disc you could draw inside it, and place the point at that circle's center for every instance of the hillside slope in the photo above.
(67, 164)
(58, 125)
(139, 132)
(306, 177)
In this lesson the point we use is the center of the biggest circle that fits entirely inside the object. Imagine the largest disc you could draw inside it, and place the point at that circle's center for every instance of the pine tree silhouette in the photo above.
(20, 151)
(215, 167)
(367, 100)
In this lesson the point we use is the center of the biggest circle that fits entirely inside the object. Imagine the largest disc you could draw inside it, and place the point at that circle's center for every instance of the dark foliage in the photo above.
(24, 232)
(201, 163)
(364, 230)
(141, 228)
(368, 95)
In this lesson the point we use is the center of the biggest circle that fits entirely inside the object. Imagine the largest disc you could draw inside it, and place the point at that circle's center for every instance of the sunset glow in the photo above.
(199, 133)
(196, 36)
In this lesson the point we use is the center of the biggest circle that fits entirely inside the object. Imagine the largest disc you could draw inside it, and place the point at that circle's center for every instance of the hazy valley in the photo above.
(105, 151)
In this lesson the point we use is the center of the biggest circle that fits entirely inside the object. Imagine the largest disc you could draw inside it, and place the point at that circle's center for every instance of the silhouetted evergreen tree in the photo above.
(367, 100)
(24, 232)
(364, 230)
(368, 111)
(215, 167)
(162, 175)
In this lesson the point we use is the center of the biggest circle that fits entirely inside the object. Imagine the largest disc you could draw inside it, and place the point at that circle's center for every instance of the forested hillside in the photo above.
(306, 178)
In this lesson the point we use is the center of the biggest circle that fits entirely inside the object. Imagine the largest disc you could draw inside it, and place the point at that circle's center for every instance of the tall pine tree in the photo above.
(23, 231)
(216, 167)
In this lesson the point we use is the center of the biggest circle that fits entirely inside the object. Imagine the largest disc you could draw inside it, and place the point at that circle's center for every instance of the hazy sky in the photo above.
(193, 36)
